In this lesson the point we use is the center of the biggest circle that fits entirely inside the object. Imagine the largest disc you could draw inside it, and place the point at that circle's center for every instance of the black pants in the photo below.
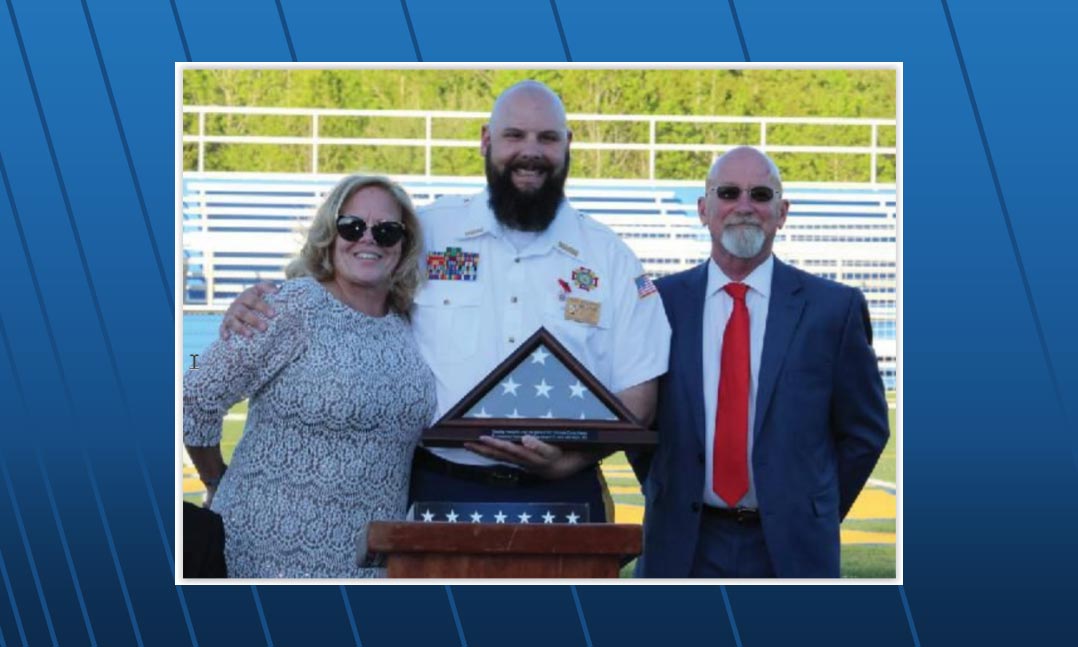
(203, 542)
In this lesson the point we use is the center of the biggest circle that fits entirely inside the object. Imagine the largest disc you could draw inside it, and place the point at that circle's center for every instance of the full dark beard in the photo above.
(523, 211)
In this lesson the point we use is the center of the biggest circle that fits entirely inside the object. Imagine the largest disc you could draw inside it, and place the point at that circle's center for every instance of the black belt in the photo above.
(740, 515)
(497, 475)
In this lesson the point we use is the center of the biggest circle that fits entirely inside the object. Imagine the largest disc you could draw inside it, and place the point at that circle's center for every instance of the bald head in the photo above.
(745, 215)
(744, 157)
(528, 96)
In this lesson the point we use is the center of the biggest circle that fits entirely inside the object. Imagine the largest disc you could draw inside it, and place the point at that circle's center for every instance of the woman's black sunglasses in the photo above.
(385, 234)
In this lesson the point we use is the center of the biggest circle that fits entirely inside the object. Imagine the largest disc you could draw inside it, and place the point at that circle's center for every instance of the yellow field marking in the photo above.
(866, 537)
(626, 513)
(624, 489)
(193, 485)
(873, 504)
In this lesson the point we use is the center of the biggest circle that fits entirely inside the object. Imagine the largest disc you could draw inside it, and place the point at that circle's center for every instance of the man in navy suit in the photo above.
(772, 415)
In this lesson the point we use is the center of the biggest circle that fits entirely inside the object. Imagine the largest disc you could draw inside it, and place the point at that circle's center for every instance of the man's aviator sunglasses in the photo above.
(756, 193)
(385, 234)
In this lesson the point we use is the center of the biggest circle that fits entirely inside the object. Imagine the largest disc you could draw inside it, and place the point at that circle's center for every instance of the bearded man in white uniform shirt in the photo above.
(523, 246)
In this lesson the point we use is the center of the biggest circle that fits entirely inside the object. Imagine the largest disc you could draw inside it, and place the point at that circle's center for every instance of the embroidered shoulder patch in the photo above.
(644, 286)
(585, 279)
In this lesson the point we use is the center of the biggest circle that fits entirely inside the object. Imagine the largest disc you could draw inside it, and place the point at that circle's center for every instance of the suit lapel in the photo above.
(692, 347)
(783, 315)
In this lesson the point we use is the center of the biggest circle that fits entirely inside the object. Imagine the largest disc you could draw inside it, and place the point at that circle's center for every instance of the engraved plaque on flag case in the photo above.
(541, 390)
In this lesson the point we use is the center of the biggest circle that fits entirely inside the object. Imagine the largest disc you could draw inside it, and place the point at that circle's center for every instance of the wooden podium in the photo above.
(447, 550)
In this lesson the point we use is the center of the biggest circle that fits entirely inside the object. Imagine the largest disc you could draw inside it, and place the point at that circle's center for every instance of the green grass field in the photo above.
(858, 560)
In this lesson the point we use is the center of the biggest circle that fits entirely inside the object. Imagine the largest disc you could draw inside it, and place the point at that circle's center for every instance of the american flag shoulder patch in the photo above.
(644, 286)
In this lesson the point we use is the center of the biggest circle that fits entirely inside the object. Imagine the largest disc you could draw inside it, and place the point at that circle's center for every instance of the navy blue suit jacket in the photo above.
(821, 424)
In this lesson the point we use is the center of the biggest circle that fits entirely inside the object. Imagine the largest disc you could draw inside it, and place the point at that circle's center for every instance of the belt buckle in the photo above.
(746, 514)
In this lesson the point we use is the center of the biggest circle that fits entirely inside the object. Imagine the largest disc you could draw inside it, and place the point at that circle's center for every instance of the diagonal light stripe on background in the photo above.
(37, 286)
(456, 616)
(112, 548)
(261, 615)
(351, 617)
(411, 29)
(49, 493)
(69, 212)
(70, 409)
(284, 27)
(909, 616)
(179, 28)
(730, 616)
(130, 161)
(740, 34)
(1037, 326)
(3, 564)
(126, 410)
(14, 607)
(580, 614)
(168, 548)
(564, 42)
(22, 395)
(29, 552)
(67, 549)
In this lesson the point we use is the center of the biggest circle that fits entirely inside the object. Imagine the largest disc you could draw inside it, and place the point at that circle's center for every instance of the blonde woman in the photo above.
(338, 395)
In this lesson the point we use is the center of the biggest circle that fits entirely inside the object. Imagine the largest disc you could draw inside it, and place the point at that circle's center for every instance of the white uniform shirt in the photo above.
(718, 305)
(465, 328)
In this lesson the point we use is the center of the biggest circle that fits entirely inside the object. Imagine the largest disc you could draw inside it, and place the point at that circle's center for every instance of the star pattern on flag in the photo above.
(540, 387)
(503, 512)
(509, 386)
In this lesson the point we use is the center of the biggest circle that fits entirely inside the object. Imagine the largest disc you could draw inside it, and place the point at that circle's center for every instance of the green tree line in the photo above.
(755, 93)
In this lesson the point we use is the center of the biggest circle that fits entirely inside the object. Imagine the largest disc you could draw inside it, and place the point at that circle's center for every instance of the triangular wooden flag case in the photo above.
(543, 391)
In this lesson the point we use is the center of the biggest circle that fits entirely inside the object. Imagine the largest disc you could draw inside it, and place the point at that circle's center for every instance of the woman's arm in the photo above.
(231, 370)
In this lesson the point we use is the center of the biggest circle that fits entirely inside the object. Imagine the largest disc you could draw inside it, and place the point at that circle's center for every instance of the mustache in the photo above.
(738, 221)
(530, 165)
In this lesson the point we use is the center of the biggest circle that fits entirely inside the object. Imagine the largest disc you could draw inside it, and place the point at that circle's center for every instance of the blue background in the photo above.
(87, 204)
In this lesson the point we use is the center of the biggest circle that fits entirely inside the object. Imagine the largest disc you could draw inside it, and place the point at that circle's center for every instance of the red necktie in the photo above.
(730, 469)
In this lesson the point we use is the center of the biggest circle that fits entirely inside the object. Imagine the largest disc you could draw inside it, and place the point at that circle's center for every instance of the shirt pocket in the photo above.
(588, 343)
(446, 321)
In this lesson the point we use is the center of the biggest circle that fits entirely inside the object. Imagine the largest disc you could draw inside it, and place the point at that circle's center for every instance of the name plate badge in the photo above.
(582, 310)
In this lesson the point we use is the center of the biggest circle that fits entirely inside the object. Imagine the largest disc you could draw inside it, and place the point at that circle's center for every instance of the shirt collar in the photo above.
(758, 280)
(563, 234)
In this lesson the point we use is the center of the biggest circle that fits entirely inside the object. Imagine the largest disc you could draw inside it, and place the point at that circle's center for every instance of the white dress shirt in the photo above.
(718, 305)
(464, 328)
